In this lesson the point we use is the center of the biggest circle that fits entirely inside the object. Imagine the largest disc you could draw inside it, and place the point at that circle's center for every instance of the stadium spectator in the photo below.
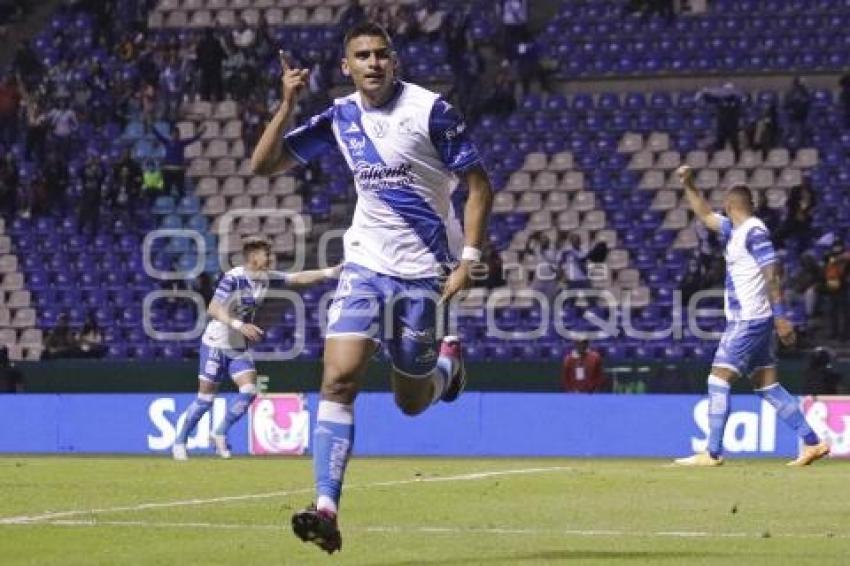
(64, 123)
(210, 55)
(27, 65)
(90, 340)
(174, 163)
(804, 281)
(34, 195)
(574, 262)
(56, 181)
(764, 133)
(529, 68)
(9, 184)
(405, 25)
(203, 285)
(835, 290)
(10, 101)
(728, 101)
(244, 37)
(502, 100)
(797, 225)
(153, 184)
(126, 185)
(352, 14)
(820, 378)
(11, 379)
(514, 15)
(92, 177)
(769, 216)
(693, 281)
(798, 102)
(171, 82)
(381, 14)
(582, 370)
(60, 341)
(664, 8)
(36, 125)
(844, 97)
(430, 18)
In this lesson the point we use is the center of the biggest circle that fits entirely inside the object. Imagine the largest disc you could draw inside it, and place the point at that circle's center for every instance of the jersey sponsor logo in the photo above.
(279, 424)
(456, 131)
(357, 146)
(376, 176)
(425, 336)
(427, 356)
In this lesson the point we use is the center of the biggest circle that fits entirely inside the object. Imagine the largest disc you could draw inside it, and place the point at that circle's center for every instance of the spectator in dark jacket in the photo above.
(210, 54)
(820, 378)
(798, 102)
(11, 380)
(728, 100)
(174, 163)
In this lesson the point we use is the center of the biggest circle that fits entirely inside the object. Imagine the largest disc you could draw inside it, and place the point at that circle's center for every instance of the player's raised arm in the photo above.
(475, 215)
(271, 155)
(699, 205)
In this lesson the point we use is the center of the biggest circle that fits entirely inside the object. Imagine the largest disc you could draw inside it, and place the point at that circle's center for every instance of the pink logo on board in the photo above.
(279, 424)
(830, 418)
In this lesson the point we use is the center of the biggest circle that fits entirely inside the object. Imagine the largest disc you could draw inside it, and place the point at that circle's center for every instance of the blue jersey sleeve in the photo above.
(760, 247)
(225, 289)
(310, 140)
(450, 137)
(725, 228)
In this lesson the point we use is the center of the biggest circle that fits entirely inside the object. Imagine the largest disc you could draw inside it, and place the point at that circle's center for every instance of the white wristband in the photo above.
(470, 254)
(236, 324)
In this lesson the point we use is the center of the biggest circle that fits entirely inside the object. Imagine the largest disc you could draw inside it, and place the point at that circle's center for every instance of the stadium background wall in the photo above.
(89, 376)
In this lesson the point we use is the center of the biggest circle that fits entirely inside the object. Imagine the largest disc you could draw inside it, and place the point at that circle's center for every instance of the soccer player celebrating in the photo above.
(239, 294)
(755, 315)
(406, 147)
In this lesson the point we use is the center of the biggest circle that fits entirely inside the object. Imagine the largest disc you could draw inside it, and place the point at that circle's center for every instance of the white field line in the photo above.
(443, 530)
(228, 498)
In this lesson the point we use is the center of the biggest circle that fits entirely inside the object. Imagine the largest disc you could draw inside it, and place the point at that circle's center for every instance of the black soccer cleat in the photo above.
(319, 527)
(450, 348)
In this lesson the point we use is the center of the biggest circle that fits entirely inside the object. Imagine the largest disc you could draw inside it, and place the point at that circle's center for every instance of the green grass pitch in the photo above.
(87, 511)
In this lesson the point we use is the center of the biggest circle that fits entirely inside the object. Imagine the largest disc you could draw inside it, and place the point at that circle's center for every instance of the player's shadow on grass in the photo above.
(624, 556)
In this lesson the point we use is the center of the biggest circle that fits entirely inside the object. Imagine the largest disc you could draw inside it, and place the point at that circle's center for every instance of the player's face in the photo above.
(259, 260)
(371, 63)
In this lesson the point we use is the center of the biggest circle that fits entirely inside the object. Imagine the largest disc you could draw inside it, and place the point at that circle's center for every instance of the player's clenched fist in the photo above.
(292, 81)
(685, 174)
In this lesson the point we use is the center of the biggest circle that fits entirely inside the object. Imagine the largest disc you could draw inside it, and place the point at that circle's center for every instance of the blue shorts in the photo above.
(401, 312)
(747, 345)
(216, 363)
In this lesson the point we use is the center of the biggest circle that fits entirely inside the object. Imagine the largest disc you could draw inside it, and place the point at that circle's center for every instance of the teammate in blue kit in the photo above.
(755, 315)
(406, 148)
(239, 294)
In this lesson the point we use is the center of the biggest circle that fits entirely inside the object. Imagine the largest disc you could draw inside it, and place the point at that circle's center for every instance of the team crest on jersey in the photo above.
(379, 128)
(357, 146)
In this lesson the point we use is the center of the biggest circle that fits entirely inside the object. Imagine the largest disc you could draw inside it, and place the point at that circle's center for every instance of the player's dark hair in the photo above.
(744, 193)
(254, 243)
(367, 28)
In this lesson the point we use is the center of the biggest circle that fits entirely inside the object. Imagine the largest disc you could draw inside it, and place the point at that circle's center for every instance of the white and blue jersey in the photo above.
(404, 157)
(749, 341)
(223, 351)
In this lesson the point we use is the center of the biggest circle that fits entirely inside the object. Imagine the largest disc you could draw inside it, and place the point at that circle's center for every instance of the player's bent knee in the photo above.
(339, 388)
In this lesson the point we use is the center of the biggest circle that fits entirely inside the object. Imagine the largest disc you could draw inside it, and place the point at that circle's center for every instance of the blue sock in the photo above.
(237, 409)
(332, 442)
(788, 410)
(196, 410)
(718, 413)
